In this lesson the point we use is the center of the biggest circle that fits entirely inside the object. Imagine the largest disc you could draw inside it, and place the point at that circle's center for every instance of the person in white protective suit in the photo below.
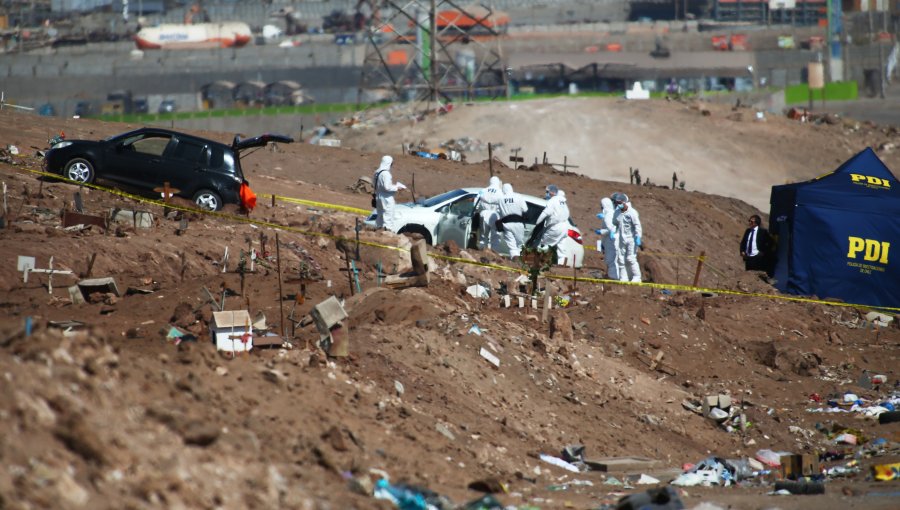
(512, 220)
(556, 214)
(608, 238)
(629, 232)
(488, 211)
(385, 190)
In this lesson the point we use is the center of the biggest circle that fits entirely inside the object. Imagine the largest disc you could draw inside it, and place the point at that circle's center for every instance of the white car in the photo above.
(449, 216)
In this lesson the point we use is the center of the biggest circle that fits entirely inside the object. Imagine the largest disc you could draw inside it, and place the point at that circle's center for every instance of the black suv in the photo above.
(207, 172)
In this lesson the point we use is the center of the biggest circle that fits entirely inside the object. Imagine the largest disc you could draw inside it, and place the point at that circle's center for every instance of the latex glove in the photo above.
(602, 231)
(612, 235)
(599, 231)
(637, 241)
(400, 185)
(600, 216)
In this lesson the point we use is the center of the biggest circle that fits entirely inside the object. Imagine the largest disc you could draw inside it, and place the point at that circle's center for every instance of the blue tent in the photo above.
(835, 234)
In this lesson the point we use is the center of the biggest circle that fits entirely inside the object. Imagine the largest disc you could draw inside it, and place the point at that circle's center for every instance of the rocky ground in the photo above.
(115, 415)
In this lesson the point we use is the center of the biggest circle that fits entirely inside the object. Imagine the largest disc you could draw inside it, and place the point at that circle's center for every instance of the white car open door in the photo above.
(455, 222)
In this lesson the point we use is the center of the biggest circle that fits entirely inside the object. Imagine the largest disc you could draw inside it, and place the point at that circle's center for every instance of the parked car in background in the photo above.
(168, 106)
(206, 172)
(450, 216)
(83, 108)
(140, 105)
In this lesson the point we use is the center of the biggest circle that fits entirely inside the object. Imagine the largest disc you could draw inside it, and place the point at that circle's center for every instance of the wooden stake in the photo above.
(183, 265)
(280, 299)
(349, 271)
(273, 200)
(242, 270)
(250, 254)
(699, 267)
(491, 158)
(90, 265)
(565, 164)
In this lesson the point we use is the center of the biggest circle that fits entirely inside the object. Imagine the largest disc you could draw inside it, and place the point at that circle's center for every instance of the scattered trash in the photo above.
(647, 480)
(559, 463)
(404, 498)
(475, 330)
(486, 502)
(478, 291)
(886, 472)
(491, 357)
(710, 471)
(770, 458)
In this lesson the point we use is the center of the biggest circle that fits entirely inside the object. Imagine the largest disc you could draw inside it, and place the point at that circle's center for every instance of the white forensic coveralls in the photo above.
(628, 225)
(513, 208)
(488, 212)
(557, 215)
(608, 241)
(385, 189)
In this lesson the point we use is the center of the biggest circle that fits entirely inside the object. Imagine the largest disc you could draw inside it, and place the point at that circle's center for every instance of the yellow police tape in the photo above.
(248, 220)
(321, 205)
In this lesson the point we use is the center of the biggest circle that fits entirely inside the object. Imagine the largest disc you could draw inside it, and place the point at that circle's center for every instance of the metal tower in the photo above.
(432, 51)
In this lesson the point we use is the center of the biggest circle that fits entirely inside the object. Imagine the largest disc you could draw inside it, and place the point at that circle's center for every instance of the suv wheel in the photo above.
(208, 200)
(79, 170)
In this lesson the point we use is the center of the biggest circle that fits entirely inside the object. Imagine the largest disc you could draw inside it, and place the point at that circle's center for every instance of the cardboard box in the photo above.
(798, 466)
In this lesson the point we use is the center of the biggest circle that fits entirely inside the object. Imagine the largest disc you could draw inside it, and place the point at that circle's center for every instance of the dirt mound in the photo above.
(714, 148)
(117, 414)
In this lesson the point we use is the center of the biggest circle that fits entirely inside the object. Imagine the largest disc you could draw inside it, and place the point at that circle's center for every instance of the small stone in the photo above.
(198, 433)
(274, 376)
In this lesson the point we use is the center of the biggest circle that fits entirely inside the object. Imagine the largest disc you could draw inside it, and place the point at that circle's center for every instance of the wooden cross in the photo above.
(50, 272)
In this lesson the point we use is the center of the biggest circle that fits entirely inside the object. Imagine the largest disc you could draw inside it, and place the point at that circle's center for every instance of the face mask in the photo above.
(547, 196)
(619, 207)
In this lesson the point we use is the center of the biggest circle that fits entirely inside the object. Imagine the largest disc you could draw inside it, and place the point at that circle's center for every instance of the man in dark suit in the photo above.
(755, 246)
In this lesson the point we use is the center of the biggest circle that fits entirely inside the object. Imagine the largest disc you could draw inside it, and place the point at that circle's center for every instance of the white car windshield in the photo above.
(443, 197)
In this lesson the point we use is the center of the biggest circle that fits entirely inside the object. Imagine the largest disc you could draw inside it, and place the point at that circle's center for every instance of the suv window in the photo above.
(221, 160)
(190, 151)
(153, 145)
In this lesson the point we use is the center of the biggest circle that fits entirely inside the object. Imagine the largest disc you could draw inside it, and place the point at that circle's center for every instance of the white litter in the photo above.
(549, 459)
